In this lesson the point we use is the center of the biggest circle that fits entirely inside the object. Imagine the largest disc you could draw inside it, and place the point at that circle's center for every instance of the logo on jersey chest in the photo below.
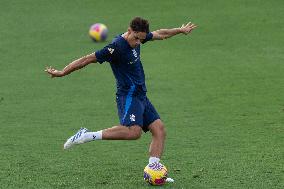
(135, 54)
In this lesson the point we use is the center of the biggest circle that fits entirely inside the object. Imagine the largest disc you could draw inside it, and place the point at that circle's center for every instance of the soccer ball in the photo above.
(155, 174)
(98, 32)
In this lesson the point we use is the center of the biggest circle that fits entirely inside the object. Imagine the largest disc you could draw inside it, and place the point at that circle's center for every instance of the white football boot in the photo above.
(78, 138)
(170, 180)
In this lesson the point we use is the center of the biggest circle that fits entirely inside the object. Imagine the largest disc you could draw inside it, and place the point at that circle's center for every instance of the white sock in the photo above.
(90, 136)
(153, 160)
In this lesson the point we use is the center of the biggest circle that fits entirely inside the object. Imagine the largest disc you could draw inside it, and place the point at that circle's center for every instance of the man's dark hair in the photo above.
(139, 24)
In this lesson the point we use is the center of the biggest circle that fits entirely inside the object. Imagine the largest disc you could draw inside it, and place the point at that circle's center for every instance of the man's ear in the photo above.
(129, 30)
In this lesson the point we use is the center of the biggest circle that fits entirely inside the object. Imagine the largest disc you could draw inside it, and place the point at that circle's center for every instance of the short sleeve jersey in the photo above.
(126, 65)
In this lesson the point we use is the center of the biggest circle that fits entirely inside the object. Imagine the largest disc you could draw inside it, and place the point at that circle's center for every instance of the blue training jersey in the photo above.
(126, 65)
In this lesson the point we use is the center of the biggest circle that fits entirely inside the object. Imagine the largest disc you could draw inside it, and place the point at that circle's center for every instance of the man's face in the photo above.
(135, 38)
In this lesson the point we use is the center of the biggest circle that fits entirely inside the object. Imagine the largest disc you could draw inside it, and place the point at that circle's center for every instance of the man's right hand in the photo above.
(53, 72)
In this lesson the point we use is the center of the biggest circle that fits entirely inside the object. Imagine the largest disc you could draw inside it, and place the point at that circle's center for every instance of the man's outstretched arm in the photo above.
(167, 33)
(75, 65)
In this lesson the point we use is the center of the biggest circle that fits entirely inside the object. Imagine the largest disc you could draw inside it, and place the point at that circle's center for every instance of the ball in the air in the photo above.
(98, 32)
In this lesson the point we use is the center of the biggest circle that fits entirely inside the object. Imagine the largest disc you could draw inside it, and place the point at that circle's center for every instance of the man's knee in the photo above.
(157, 128)
(161, 131)
(135, 132)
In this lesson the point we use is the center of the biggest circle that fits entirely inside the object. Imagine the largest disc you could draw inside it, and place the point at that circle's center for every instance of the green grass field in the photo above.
(219, 92)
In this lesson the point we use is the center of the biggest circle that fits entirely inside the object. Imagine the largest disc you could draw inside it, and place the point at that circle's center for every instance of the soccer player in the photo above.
(135, 111)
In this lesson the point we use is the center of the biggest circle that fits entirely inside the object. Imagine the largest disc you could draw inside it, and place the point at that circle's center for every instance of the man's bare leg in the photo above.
(115, 133)
(122, 133)
(158, 139)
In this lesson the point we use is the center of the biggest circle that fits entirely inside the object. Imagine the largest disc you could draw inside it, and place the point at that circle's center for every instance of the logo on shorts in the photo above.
(132, 117)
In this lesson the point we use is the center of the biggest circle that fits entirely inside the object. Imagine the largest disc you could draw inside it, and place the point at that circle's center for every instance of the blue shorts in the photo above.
(136, 110)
